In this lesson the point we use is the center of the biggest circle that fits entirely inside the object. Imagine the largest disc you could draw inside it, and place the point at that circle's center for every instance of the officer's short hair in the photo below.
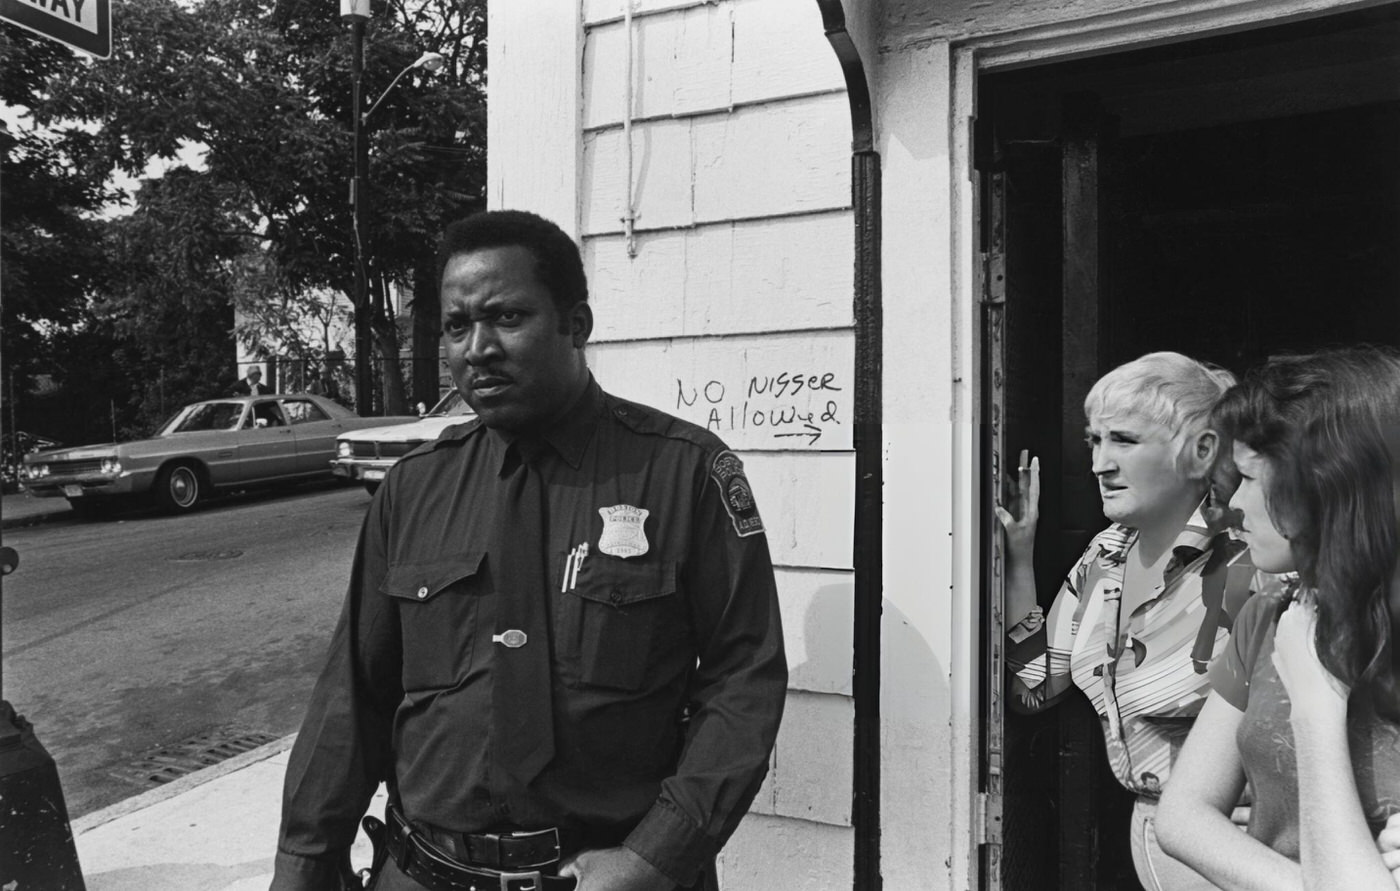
(558, 265)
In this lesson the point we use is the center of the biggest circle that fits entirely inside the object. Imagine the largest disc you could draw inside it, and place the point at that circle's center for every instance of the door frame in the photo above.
(1129, 29)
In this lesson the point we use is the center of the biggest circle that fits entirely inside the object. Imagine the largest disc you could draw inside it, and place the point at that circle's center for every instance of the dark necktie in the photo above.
(521, 702)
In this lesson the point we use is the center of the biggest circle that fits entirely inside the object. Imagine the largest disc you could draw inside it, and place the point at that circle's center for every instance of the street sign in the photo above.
(82, 24)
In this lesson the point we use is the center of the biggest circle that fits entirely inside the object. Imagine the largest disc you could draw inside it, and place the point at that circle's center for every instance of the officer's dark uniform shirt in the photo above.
(688, 628)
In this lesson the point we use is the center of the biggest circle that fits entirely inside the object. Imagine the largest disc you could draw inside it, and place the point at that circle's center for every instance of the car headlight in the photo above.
(343, 449)
(36, 471)
(112, 466)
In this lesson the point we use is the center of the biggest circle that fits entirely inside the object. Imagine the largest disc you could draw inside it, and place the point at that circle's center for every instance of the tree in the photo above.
(52, 256)
(263, 86)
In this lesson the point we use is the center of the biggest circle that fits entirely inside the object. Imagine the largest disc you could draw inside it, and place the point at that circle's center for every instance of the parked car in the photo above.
(216, 444)
(366, 455)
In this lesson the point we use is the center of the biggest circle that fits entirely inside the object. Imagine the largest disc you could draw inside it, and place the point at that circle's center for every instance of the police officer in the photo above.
(561, 646)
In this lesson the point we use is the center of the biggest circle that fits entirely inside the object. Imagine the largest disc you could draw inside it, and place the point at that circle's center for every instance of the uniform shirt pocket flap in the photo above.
(425, 580)
(622, 583)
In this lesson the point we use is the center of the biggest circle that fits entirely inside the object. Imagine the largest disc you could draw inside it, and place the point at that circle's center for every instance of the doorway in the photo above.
(1230, 198)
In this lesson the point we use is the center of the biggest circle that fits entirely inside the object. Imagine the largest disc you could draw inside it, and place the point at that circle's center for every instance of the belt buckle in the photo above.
(535, 880)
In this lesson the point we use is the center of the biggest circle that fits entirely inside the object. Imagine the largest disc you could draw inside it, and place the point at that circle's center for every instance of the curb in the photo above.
(181, 785)
(31, 520)
(22, 509)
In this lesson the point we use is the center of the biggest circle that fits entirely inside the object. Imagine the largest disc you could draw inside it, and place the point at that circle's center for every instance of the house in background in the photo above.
(1037, 192)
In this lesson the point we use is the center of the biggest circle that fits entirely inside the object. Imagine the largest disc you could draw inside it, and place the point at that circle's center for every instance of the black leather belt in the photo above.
(421, 861)
(497, 850)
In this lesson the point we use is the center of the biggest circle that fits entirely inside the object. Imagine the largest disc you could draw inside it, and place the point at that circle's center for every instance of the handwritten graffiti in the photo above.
(789, 406)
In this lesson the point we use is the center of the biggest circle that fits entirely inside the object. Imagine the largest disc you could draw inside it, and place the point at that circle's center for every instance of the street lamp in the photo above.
(357, 13)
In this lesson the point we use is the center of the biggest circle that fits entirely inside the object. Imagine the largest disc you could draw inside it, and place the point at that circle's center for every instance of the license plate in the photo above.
(372, 474)
(73, 491)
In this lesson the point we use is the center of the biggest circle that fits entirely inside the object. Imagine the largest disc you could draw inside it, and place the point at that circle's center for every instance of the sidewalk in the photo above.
(23, 509)
(212, 830)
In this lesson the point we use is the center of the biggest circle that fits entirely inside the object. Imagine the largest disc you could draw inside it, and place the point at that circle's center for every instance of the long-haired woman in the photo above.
(1306, 700)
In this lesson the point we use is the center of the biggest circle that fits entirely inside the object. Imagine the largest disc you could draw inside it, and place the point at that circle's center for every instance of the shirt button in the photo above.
(615, 596)
(422, 592)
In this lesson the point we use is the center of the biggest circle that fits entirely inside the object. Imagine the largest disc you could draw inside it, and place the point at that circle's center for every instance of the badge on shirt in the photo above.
(728, 473)
(624, 531)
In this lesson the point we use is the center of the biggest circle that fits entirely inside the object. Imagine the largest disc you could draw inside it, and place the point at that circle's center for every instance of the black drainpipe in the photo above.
(867, 440)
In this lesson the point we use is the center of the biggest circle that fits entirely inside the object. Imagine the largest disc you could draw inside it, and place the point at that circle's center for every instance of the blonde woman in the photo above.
(1152, 599)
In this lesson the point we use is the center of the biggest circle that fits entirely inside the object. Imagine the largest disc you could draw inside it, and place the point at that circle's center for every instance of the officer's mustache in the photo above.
(487, 377)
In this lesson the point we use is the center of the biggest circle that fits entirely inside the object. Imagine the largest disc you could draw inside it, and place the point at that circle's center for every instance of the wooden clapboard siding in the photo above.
(776, 392)
(806, 502)
(770, 853)
(533, 119)
(704, 59)
(816, 606)
(812, 778)
(778, 158)
(745, 277)
(738, 286)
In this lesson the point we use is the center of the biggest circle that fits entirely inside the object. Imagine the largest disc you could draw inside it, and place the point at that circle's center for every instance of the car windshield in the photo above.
(205, 416)
(451, 404)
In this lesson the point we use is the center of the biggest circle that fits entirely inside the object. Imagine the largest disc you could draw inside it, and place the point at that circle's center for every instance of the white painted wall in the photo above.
(532, 120)
(735, 305)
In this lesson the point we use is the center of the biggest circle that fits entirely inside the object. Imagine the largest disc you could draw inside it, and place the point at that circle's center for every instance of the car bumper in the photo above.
(364, 470)
(93, 485)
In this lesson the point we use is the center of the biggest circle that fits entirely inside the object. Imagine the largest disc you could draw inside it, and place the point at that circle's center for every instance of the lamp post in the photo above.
(357, 13)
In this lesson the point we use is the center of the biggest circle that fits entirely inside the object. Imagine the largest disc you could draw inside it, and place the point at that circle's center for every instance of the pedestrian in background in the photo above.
(327, 385)
(561, 644)
(251, 384)
(1306, 701)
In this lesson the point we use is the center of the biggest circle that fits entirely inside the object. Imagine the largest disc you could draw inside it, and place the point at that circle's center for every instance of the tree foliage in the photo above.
(263, 221)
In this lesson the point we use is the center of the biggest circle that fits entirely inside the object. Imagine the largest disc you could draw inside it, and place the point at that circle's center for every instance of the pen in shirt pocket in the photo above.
(572, 564)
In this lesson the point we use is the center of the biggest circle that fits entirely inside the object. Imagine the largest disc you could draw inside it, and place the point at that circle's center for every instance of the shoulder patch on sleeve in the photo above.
(728, 473)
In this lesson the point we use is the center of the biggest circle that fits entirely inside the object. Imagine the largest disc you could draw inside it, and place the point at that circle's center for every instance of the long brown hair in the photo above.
(1328, 423)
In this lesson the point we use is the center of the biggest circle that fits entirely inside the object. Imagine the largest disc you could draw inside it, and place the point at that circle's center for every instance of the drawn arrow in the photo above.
(812, 431)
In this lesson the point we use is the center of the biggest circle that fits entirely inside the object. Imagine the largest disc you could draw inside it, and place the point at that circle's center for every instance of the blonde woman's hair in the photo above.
(1167, 388)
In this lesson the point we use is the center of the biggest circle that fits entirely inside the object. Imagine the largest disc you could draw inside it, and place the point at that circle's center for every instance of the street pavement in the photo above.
(211, 830)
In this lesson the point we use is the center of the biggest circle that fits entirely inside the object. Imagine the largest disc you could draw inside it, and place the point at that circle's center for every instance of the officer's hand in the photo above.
(614, 869)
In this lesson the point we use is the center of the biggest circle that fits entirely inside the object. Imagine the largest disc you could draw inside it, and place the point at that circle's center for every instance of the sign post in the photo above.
(82, 24)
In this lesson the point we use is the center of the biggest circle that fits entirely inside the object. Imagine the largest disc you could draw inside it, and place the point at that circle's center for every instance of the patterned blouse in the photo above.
(1145, 673)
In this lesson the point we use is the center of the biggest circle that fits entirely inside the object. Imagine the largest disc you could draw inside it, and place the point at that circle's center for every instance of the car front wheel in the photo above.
(178, 488)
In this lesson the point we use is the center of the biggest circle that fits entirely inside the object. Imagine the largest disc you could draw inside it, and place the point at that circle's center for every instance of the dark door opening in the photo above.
(1228, 198)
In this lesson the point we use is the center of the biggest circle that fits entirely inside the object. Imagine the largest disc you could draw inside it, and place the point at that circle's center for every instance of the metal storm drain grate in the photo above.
(174, 761)
(198, 556)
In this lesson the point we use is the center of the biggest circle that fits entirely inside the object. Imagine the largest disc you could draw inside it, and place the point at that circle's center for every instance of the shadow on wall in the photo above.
(819, 660)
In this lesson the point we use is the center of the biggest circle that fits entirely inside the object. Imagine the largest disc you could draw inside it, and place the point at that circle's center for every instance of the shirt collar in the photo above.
(1194, 537)
(569, 436)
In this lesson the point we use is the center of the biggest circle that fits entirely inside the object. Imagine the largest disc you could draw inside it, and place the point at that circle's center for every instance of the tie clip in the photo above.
(512, 638)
